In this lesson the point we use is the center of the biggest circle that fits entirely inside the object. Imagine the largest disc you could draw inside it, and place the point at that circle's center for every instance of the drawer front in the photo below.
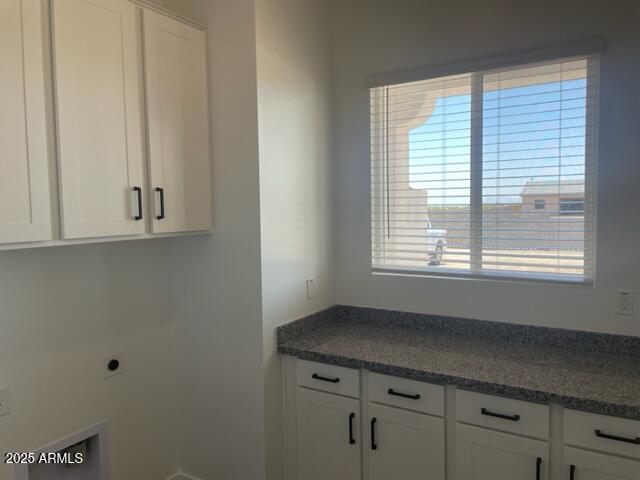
(513, 416)
(328, 378)
(405, 393)
(619, 436)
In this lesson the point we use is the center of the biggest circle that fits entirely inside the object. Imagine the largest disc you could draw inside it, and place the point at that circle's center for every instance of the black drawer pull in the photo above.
(538, 468)
(138, 191)
(633, 441)
(391, 391)
(512, 418)
(161, 192)
(374, 446)
(315, 376)
(572, 472)
(351, 439)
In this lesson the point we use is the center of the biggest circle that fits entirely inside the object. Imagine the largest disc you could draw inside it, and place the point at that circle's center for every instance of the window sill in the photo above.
(451, 274)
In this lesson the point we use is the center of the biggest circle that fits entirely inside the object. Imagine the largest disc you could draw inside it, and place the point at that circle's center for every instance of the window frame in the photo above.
(593, 47)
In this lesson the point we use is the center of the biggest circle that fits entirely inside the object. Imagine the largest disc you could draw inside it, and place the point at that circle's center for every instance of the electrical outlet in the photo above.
(112, 365)
(311, 287)
(5, 408)
(624, 302)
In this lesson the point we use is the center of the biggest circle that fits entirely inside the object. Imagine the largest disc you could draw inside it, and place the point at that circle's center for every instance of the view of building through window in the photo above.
(488, 172)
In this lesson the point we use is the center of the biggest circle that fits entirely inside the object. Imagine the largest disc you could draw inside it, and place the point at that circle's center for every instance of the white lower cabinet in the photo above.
(354, 425)
(584, 465)
(328, 436)
(404, 445)
(483, 454)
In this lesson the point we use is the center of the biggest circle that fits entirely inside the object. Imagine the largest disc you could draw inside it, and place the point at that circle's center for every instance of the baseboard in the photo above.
(182, 476)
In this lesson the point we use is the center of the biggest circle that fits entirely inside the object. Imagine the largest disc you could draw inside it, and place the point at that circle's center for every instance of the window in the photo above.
(487, 173)
(572, 206)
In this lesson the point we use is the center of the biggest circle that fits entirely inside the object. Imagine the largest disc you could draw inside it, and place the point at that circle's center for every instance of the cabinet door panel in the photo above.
(97, 69)
(596, 466)
(324, 448)
(25, 213)
(178, 123)
(409, 446)
(487, 455)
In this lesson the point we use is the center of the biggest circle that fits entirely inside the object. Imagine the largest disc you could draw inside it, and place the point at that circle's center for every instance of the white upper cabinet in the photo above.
(178, 124)
(96, 53)
(25, 214)
(109, 185)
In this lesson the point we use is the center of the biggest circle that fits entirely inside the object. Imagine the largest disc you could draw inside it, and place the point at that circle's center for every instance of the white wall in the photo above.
(372, 36)
(63, 309)
(216, 279)
(293, 67)
(235, 288)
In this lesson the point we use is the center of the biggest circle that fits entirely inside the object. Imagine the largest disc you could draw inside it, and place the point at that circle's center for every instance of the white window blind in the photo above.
(487, 173)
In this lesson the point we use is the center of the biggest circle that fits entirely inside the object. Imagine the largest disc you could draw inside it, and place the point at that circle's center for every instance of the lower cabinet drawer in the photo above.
(329, 378)
(508, 415)
(619, 436)
(405, 393)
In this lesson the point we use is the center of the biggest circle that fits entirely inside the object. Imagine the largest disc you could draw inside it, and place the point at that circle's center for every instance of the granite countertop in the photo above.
(575, 372)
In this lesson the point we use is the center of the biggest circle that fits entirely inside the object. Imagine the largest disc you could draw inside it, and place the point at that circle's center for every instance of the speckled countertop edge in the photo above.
(588, 342)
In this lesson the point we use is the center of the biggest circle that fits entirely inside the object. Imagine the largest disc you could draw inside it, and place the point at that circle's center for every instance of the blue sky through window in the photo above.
(532, 132)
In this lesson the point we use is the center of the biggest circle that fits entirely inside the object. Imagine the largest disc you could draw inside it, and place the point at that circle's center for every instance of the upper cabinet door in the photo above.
(178, 123)
(25, 213)
(98, 83)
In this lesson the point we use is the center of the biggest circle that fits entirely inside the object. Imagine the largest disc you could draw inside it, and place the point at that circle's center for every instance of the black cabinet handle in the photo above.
(512, 418)
(572, 472)
(315, 376)
(351, 439)
(138, 191)
(633, 441)
(391, 391)
(161, 192)
(538, 468)
(374, 446)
